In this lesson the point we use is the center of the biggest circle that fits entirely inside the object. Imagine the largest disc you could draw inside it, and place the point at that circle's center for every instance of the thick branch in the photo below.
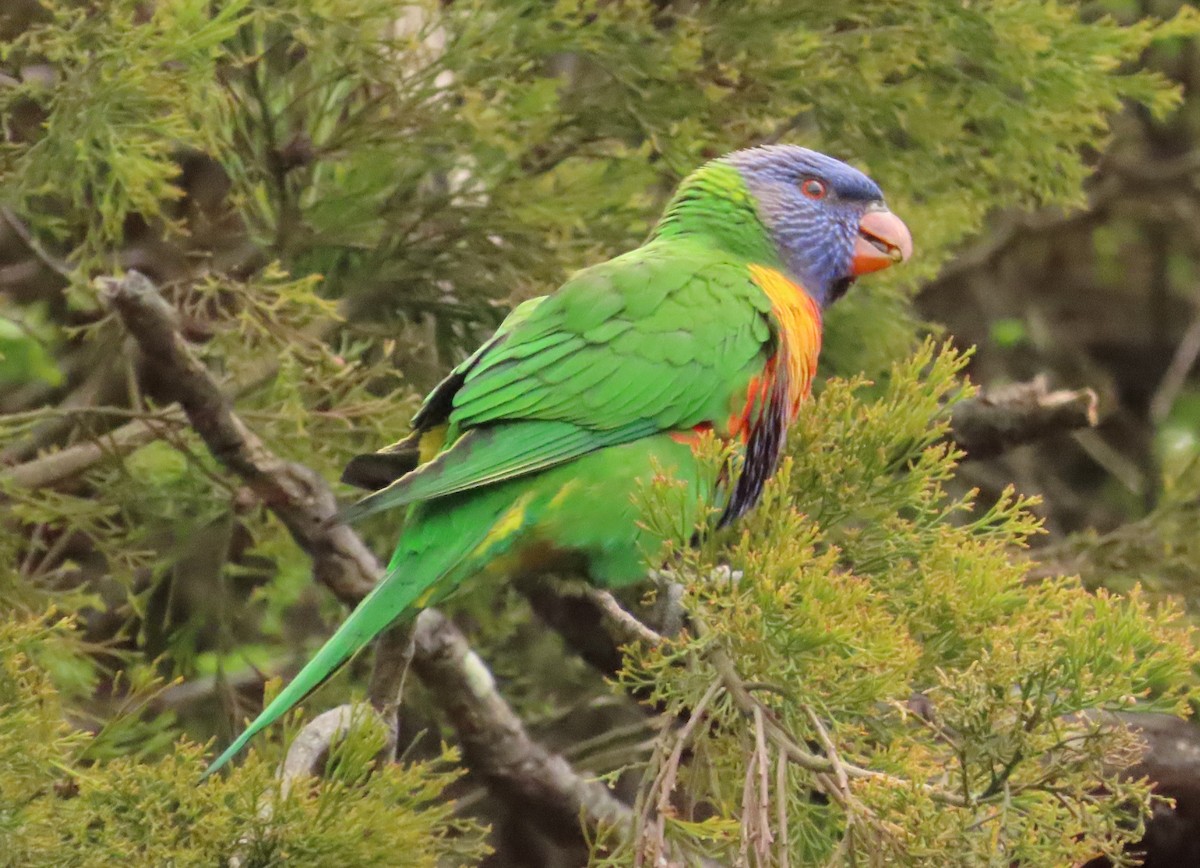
(495, 743)
(494, 739)
(998, 419)
(294, 493)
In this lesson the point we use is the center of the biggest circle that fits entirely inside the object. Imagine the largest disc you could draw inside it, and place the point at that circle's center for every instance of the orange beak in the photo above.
(883, 240)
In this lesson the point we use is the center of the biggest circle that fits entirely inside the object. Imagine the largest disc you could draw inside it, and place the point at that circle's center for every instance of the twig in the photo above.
(623, 627)
(205, 687)
(781, 809)
(1176, 374)
(760, 830)
(998, 419)
(1121, 468)
(830, 749)
(53, 263)
(806, 759)
(664, 782)
(495, 742)
(749, 814)
(70, 462)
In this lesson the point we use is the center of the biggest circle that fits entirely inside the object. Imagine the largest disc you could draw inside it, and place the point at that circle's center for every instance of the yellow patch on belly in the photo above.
(563, 494)
(509, 523)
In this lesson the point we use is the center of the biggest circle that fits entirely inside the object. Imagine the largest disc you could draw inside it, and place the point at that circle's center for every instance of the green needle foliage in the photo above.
(860, 583)
(341, 198)
(54, 810)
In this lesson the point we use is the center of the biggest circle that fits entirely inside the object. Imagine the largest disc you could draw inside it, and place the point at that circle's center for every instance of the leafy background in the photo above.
(343, 197)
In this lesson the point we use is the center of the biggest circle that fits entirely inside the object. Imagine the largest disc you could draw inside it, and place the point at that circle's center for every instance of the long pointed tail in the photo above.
(437, 551)
(377, 610)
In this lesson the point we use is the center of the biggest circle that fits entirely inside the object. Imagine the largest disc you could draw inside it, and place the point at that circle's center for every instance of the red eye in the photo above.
(813, 189)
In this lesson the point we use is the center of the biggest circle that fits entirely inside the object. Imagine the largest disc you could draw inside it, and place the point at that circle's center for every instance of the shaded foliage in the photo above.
(340, 199)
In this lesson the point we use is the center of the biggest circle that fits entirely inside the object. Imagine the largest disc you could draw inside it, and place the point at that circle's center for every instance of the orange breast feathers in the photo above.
(799, 320)
(773, 397)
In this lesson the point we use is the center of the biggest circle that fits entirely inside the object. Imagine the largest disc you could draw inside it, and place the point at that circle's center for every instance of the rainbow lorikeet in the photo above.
(527, 457)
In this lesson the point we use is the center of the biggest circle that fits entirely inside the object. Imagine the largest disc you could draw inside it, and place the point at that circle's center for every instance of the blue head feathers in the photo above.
(827, 220)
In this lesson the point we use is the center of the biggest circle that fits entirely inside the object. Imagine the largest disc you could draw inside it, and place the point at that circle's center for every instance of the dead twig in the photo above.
(654, 844)
(756, 796)
(1173, 380)
(781, 810)
(68, 463)
(623, 627)
(998, 419)
(803, 757)
(22, 231)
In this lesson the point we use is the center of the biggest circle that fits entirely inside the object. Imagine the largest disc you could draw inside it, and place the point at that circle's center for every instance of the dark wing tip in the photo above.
(375, 470)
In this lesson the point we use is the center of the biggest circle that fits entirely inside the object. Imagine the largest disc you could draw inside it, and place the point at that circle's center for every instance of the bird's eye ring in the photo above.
(812, 188)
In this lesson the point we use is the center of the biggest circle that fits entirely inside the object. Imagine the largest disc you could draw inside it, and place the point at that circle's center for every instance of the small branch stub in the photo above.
(998, 419)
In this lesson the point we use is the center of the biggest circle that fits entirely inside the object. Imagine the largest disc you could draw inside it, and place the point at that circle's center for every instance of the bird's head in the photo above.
(825, 220)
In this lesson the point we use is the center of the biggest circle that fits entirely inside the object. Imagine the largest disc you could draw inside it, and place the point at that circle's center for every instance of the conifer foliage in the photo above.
(339, 199)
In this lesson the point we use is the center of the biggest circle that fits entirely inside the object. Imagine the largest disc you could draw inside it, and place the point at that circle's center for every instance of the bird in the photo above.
(527, 457)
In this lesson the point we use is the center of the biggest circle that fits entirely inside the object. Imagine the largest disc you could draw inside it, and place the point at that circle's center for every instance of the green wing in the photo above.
(657, 334)
(437, 404)
(376, 470)
(494, 453)
(661, 338)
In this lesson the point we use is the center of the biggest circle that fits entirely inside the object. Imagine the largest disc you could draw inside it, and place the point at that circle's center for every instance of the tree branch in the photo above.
(998, 419)
(1117, 183)
(495, 741)
(55, 264)
(309, 750)
(58, 466)
(294, 493)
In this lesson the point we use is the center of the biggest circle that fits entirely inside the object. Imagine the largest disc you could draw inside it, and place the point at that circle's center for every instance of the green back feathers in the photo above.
(662, 338)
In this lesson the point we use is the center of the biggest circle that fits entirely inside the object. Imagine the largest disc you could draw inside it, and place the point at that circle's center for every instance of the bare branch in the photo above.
(1177, 373)
(309, 750)
(495, 742)
(70, 462)
(52, 262)
(652, 840)
(822, 766)
(781, 809)
(622, 626)
(756, 795)
(998, 419)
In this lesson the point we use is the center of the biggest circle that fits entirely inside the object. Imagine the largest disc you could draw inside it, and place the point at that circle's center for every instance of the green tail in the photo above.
(377, 610)
(436, 544)
(584, 507)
